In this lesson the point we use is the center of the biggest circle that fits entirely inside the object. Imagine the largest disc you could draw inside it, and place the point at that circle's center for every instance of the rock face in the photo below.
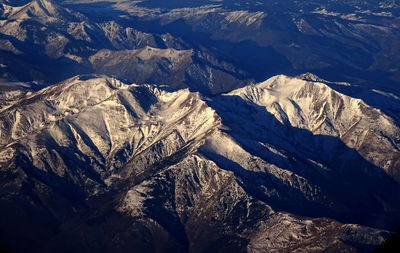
(292, 164)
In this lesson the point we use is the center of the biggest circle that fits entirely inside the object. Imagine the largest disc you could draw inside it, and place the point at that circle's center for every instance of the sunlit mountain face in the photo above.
(199, 126)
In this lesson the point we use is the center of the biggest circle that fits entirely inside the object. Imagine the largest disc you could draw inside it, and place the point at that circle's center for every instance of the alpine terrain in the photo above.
(199, 125)
(289, 164)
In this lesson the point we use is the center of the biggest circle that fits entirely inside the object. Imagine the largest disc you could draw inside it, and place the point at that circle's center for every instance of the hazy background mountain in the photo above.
(210, 46)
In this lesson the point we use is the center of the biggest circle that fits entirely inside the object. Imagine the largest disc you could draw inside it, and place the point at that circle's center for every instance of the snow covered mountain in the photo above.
(292, 164)
(153, 140)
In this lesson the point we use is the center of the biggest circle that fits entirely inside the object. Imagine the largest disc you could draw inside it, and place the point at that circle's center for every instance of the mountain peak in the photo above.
(44, 10)
(310, 77)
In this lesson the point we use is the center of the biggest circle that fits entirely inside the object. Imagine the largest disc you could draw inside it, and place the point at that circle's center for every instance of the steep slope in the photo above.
(289, 164)
(316, 107)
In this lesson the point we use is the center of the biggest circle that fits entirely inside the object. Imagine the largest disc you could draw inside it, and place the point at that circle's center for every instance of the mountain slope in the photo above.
(289, 164)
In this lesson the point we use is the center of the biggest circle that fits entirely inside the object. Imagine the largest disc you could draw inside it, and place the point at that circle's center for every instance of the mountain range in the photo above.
(289, 164)
(208, 46)
(199, 126)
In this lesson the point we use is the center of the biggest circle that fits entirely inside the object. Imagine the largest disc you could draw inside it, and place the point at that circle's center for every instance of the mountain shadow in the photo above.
(350, 188)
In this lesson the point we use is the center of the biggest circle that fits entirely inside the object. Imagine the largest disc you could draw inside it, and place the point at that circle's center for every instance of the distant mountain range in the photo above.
(216, 46)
